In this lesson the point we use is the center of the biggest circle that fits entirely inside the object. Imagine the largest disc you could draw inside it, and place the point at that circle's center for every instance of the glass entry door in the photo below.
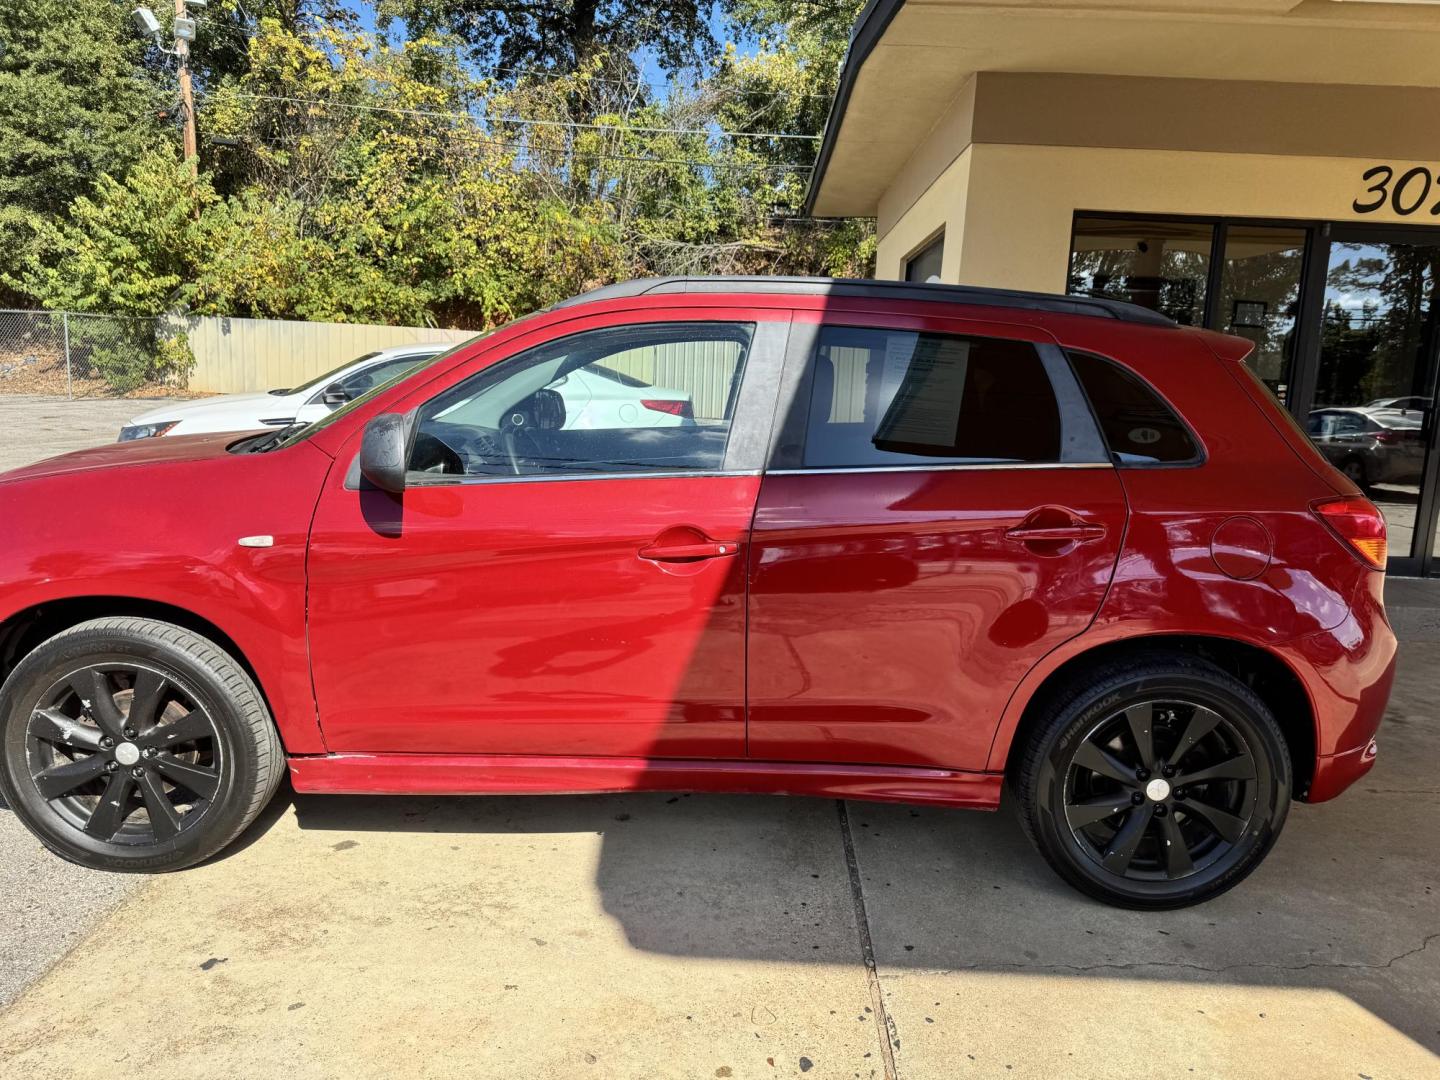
(1373, 411)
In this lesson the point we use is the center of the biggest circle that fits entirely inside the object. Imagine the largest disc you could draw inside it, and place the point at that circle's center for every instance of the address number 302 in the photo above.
(1405, 195)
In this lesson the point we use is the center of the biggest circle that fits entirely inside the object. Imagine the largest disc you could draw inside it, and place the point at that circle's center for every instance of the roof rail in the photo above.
(1098, 306)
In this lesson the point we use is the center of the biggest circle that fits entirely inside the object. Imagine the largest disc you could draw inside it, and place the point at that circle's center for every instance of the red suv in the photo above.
(863, 540)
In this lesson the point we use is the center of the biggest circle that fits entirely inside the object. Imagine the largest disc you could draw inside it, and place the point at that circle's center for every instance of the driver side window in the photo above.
(632, 399)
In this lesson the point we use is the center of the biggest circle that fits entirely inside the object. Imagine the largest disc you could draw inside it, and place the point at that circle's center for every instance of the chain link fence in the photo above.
(77, 355)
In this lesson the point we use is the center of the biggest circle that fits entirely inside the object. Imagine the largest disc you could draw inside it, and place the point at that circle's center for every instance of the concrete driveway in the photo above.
(690, 936)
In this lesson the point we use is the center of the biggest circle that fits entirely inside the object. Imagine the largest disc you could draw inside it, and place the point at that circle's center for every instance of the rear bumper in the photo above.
(1347, 672)
(1335, 773)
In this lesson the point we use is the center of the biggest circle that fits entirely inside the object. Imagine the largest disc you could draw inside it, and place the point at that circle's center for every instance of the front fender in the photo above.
(167, 533)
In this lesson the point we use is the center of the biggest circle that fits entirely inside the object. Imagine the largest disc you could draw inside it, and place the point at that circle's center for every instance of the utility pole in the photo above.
(148, 27)
(187, 91)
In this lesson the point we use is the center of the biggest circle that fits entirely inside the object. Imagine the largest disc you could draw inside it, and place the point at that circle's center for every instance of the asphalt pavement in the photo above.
(49, 903)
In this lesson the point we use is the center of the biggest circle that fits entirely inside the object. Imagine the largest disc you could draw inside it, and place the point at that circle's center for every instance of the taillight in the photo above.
(668, 405)
(1386, 437)
(1357, 522)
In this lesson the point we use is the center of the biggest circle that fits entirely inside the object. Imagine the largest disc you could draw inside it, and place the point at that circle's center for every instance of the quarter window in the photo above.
(899, 397)
(1139, 428)
(635, 399)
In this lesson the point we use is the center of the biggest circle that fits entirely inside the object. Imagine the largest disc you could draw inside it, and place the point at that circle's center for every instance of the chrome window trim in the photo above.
(947, 467)
(466, 481)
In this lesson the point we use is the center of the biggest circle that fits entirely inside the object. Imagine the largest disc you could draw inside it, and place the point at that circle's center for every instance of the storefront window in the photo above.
(1260, 297)
(1161, 265)
(1375, 380)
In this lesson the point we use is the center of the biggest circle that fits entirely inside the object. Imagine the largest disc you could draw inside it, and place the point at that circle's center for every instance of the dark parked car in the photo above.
(913, 543)
(1371, 446)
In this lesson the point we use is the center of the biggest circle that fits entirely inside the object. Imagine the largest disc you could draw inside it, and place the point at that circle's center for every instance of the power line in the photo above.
(524, 121)
(546, 75)
(490, 140)
(543, 75)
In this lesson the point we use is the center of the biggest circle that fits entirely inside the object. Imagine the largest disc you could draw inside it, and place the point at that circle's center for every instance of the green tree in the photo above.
(351, 178)
(76, 103)
(786, 86)
(513, 39)
(132, 247)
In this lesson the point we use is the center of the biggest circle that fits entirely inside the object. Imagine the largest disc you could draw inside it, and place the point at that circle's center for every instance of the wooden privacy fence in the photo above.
(238, 355)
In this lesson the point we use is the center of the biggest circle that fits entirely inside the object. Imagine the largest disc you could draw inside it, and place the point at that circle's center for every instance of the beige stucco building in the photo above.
(1270, 168)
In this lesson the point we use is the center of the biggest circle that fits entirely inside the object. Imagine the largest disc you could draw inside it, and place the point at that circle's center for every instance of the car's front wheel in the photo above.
(132, 744)
(1155, 784)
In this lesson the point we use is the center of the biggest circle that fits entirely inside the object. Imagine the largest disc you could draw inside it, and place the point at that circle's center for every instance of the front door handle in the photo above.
(690, 552)
(1079, 532)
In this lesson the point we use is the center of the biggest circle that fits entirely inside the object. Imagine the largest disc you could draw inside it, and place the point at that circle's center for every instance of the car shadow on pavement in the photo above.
(1343, 904)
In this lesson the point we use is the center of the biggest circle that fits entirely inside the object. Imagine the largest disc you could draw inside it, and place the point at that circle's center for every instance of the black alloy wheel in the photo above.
(125, 753)
(1160, 790)
(135, 745)
(1156, 783)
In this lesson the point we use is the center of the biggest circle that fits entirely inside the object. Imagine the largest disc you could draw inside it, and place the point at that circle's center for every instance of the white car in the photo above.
(594, 397)
(280, 408)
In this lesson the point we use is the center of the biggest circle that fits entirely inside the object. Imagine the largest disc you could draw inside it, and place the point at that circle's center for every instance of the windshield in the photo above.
(305, 432)
(319, 379)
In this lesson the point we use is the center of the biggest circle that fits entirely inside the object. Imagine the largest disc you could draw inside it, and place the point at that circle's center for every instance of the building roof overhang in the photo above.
(907, 62)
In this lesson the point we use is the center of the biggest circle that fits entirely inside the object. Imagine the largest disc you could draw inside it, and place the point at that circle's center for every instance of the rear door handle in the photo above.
(1080, 531)
(710, 549)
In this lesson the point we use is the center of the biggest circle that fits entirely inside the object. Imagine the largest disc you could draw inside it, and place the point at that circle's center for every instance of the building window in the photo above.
(924, 265)
(1260, 277)
(1161, 265)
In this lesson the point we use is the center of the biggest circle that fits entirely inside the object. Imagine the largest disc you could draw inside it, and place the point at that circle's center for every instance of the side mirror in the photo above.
(383, 450)
(334, 396)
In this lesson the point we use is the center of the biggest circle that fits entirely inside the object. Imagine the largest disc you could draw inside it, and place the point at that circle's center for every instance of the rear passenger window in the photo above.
(898, 397)
(1139, 428)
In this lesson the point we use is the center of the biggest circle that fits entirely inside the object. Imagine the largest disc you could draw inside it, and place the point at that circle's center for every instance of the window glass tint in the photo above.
(1161, 265)
(897, 397)
(629, 399)
(1139, 428)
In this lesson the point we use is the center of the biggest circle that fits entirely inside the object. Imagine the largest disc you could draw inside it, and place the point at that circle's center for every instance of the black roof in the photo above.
(1097, 306)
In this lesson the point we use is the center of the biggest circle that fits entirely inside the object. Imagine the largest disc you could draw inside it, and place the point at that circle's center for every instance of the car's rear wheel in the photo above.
(131, 744)
(1355, 471)
(1155, 784)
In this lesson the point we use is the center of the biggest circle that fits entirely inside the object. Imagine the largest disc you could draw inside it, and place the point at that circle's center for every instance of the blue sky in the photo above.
(365, 10)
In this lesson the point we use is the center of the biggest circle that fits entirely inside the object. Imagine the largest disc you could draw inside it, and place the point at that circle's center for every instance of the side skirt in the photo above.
(478, 774)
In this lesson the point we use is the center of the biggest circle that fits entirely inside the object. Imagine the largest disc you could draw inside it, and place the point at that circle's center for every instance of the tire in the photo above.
(198, 765)
(1356, 472)
(1166, 842)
